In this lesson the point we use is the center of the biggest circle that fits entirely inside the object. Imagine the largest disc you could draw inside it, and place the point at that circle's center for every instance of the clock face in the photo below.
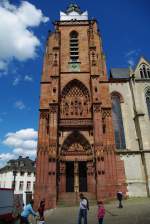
(74, 67)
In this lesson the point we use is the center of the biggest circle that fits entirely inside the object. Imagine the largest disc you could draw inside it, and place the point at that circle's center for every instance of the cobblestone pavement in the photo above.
(135, 211)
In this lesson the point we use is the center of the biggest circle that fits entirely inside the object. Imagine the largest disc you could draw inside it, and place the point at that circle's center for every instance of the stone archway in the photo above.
(77, 171)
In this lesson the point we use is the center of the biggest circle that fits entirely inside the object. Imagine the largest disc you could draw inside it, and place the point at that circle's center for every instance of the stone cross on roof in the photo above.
(73, 12)
(73, 7)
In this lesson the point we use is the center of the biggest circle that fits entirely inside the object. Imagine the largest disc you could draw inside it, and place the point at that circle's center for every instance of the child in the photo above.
(41, 211)
(100, 212)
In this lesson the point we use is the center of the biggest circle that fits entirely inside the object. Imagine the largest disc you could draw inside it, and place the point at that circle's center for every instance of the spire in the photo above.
(73, 12)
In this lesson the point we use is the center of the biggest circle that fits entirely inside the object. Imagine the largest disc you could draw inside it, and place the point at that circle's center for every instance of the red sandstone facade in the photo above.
(76, 149)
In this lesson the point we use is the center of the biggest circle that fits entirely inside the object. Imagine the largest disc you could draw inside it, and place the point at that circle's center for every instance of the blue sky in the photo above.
(124, 27)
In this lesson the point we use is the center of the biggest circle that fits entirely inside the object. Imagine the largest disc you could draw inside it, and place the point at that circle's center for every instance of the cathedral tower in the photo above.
(76, 149)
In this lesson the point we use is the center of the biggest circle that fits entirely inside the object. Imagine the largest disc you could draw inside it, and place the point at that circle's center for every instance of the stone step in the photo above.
(72, 199)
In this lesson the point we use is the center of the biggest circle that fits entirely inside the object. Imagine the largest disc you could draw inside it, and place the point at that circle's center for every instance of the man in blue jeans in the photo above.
(28, 210)
(83, 209)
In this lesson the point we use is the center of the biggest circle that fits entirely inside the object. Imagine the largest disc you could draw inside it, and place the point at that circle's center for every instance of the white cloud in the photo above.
(19, 105)
(132, 56)
(17, 40)
(22, 143)
(4, 157)
(28, 78)
(131, 62)
(26, 134)
(16, 81)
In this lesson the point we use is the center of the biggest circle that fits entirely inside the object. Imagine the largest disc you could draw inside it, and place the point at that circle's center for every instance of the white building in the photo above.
(130, 92)
(19, 174)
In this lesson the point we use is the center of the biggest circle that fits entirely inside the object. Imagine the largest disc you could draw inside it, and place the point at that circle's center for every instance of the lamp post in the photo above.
(14, 180)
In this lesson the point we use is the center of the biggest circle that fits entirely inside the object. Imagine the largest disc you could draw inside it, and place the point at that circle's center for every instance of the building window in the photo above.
(22, 173)
(148, 72)
(29, 174)
(141, 73)
(21, 185)
(118, 123)
(34, 185)
(147, 95)
(28, 185)
(74, 46)
(145, 72)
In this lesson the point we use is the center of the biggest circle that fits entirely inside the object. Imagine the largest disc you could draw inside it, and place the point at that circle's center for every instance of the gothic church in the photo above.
(93, 132)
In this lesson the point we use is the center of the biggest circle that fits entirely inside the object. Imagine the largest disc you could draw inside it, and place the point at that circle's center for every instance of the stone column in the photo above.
(98, 148)
(62, 183)
(76, 176)
(52, 152)
(42, 158)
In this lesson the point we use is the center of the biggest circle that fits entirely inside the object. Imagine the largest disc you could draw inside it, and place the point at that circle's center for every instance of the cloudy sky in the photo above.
(124, 26)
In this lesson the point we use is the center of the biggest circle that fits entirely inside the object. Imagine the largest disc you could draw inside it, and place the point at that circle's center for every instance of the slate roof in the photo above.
(120, 73)
(20, 164)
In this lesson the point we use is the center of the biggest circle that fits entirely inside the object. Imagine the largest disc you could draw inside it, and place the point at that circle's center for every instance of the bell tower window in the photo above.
(74, 47)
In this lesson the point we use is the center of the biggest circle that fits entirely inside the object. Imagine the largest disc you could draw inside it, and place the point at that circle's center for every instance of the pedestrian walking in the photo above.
(100, 212)
(28, 210)
(41, 211)
(120, 197)
(83, 209)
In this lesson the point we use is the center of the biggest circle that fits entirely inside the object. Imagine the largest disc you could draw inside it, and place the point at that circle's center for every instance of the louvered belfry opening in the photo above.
(74, 46)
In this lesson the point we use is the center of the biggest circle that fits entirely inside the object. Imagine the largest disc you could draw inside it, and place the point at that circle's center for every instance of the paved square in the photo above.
(135, 211)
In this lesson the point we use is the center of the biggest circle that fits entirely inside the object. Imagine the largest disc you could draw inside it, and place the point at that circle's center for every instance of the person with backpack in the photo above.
(119, 197)
(84, 206)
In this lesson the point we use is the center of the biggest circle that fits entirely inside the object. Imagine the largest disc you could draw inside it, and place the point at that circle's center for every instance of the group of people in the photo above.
(84, 207)
(28, 210)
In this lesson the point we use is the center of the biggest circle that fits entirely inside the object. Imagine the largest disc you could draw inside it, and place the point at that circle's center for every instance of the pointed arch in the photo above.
(117, 99)
(75, 99)
(76, 142)
(75, 83)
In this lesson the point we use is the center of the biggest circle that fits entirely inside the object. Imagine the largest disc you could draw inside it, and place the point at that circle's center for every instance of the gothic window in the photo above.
(148, 72)
(141, 73)
(75, 101)
(74, 46)
(118, 122)
(147, 95)
(145, 72)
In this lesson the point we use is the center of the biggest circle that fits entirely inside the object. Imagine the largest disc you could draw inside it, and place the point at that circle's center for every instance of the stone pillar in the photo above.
(91, 182)
(52, 152)
(62, 182)
(98, 148)
(42, 158)
(76, 176)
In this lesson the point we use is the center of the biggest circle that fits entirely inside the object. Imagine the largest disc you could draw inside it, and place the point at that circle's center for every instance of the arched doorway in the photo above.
(76, 165)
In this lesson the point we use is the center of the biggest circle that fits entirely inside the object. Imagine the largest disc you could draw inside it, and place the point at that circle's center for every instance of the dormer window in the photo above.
(145, 72)
(74, 46)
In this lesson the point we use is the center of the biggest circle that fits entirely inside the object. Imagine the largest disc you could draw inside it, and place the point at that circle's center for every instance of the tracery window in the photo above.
(74, 46)
(75, 100)
(118, 122)
(145, 72)
(147, 95)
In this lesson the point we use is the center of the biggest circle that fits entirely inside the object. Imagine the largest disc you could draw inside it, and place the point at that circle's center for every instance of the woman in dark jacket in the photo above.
(41, 210)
